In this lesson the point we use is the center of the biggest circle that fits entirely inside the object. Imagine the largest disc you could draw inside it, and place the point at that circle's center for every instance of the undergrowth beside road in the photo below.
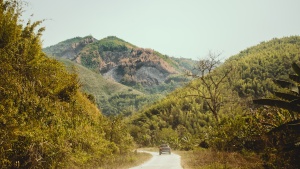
(128, 161)
(208, 159)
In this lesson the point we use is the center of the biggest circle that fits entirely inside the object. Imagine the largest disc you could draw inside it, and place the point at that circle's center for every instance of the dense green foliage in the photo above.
(186, 122)
(284, 139)
(259, 65)
(45, 121)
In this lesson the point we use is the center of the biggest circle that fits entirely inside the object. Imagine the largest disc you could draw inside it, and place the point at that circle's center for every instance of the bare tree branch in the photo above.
(209, 87)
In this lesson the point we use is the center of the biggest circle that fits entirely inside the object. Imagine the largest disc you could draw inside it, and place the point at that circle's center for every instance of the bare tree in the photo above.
(211, 83)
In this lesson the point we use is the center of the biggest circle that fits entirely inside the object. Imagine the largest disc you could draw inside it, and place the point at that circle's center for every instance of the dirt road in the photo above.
(164, 161)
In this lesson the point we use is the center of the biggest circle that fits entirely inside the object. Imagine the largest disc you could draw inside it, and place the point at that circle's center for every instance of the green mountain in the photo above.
(122, 77)
(187, 119)
(259, 65)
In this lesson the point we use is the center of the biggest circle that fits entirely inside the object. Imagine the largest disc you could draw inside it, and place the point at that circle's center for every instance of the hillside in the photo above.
(183, 115)
(111, 97)
(121, 77)
(121, 61)
(69, 48)
(258, 65)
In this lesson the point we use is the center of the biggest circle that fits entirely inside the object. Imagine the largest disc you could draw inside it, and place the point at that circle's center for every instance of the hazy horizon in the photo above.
(188, 29)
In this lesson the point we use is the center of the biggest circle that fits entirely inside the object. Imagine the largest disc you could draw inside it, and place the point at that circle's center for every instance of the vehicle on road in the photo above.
(164, 148)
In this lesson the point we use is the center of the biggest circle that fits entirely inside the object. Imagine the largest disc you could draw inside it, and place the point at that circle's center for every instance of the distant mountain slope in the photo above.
(69, 48)
(119, 60)
(121, 76)
(110, 96)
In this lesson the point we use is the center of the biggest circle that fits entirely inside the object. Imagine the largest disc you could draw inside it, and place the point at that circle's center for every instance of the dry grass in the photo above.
(128, 161)
(208, 159)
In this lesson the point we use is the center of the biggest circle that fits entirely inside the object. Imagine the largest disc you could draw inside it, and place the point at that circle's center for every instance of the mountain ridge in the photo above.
(119, 60)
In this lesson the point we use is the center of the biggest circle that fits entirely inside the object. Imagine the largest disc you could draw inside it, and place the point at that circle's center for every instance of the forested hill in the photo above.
(188, 118)
(257, 66)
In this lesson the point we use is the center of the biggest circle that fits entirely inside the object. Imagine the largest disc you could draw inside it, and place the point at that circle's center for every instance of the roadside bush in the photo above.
(233, 134)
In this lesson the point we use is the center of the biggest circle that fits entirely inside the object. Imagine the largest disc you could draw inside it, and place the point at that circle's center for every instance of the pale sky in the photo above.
(179, 28)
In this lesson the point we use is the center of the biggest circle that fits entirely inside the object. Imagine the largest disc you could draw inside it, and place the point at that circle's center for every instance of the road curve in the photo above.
(164, 161)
